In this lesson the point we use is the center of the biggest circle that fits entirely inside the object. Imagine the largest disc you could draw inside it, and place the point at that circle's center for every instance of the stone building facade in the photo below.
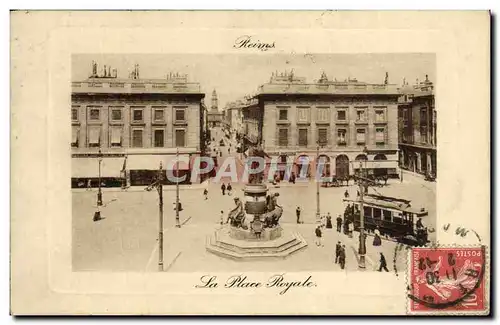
(135, 124)
(417, 121)
(344, 124)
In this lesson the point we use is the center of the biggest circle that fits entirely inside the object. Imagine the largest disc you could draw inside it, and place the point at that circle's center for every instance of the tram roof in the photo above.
(397, 204)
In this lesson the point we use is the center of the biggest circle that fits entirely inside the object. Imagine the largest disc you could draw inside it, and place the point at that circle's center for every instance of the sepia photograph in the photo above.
(250, 163)
(230, 162)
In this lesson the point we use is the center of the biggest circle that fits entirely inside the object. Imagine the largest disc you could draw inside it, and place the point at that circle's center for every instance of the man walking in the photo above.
(342, 257)
(339, 223)
(318, 236)
(221, 217)
(223, 189)
(383, 263)
(346, 194)
(298, 214)
(229, 189)
(338, 247)
(205, 194)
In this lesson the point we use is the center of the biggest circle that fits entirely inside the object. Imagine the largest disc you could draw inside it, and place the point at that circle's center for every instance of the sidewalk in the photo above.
(142, 188)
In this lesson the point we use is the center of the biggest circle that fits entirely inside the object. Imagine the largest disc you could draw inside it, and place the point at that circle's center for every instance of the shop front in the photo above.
(85, 172)
(144, 168)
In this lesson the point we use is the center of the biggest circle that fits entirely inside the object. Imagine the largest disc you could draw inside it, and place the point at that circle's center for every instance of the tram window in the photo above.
(368, 212)
(387, 215)
(377, 213)
(397, 219)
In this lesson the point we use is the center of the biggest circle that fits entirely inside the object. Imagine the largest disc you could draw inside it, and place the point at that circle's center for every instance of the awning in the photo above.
(74, 135)
(89, 167)
(94, 135)
(116, 136)
(152, 162)
(374, 164)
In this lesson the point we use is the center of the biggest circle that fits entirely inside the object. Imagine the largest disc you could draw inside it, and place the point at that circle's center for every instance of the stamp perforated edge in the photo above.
(486, 283)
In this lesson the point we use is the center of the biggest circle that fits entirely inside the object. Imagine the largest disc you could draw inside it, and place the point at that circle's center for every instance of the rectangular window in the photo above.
(303, 137)
(74, 114)
(423, 115)
(94, 134)
(423, 134)
(283, 137)
(341, 115)
(283, 115)
(180, 114)
(74, 137)
(387, 215)
(360, 136)
(180, 138)
(303, 115)
(137, 115)
(360, 114)
(137, 138)
(379, 115)
(379, 135)
(341, 136)
(116, 114)
(323, 136)
(159, 138)
(159, 114)
(323, 114)
(95, 114)
(116, 137)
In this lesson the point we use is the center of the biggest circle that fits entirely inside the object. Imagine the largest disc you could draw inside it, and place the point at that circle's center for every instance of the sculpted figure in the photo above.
(274, 212)
(256, 151)
(237, 215)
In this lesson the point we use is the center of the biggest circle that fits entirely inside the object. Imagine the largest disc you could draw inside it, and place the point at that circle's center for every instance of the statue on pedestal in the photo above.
(256, 151)
(237, 215)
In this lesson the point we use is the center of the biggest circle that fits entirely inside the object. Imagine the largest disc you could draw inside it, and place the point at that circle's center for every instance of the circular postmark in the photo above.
(447, 278)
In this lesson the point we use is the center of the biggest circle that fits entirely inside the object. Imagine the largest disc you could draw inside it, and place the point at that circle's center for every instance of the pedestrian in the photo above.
(339, 224)
(383, 263)
(323, 221)
(318, 236)
(229, 189)
(329, 221)
(89, 185)
(342, 257)
(221, 217)
(223, 189)
(377, 241)
(297, 211)
(205, 194)
(346, 194)
(338, 247)
(419, 223)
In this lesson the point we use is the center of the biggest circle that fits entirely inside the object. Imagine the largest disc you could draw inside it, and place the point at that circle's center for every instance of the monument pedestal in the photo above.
(239, 244)
(255, 241)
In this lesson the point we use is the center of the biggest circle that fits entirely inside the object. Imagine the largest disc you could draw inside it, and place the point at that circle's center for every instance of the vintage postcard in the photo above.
(228, 163)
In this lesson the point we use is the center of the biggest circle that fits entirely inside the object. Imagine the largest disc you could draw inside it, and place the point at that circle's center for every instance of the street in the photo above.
(126, 239)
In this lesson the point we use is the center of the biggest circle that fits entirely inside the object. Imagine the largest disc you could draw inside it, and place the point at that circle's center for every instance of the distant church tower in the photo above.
(215, 105)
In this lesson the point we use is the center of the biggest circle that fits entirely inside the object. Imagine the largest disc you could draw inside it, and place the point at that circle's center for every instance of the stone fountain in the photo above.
(254, 231)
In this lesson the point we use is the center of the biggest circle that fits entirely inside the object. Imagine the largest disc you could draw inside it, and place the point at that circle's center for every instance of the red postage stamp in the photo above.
(447, 280)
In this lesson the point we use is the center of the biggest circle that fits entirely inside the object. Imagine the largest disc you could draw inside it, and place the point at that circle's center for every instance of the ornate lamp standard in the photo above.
(362, 237)
(99, 191)
(318, 213)
(159, 187)
(177, 206)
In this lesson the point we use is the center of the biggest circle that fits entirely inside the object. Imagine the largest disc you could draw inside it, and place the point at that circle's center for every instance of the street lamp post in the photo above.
(99, 191)
(177, 220)
(159, 187)
(318, 213)
(362, 243)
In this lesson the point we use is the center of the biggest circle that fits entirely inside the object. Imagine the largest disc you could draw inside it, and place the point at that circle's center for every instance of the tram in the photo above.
(394, 217)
